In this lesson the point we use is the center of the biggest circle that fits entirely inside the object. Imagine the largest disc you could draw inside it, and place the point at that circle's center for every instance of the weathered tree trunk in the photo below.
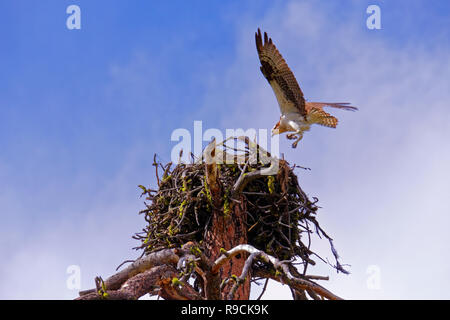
(227, 229)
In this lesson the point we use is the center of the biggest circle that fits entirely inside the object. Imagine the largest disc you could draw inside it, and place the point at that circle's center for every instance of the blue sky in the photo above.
(83, 111)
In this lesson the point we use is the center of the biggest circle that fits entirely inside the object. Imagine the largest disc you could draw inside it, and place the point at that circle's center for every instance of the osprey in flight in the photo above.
(297, 115)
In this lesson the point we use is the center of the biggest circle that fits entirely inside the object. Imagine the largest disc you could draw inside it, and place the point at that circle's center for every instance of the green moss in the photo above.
(195, 251)
(172, 231)
(186, 183)
(144, 189)
(271, 184)
(176, 282)
(207, 191)
(226, 204)
(102, 292)
(181, 209)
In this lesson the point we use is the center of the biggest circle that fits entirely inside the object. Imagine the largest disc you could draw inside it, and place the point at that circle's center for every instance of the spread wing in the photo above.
(280, 77)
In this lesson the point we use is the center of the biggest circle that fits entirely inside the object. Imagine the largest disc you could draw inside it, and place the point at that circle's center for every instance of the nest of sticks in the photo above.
(281, 219)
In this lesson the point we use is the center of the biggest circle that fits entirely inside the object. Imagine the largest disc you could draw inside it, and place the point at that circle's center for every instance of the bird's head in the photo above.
(277, 129)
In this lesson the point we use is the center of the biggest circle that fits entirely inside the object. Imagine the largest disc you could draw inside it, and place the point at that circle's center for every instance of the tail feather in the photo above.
(338, 105)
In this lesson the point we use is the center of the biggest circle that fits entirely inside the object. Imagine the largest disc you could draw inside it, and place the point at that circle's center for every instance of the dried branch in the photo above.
(282, 272)
(159, 278)
(163, 257)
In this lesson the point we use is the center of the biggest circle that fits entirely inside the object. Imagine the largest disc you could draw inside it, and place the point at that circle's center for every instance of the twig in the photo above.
(264, 289)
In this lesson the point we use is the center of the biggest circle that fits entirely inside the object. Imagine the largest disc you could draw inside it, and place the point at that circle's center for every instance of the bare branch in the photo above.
(235, 251)
(281, 274)
(143, 283)
(166, 256)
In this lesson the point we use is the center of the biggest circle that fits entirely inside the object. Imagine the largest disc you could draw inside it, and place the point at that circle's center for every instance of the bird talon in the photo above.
(291, 136)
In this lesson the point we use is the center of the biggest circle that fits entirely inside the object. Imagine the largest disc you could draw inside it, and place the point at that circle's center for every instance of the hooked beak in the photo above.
(275, 132)
(276, 129)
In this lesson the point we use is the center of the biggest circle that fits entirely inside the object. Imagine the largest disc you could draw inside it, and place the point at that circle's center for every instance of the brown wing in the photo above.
(280, 77)
(317, 115)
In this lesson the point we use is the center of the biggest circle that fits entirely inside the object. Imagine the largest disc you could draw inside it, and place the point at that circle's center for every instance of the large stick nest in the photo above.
(281, 219)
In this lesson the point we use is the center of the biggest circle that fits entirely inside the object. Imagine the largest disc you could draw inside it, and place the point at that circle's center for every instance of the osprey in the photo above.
(297, 115)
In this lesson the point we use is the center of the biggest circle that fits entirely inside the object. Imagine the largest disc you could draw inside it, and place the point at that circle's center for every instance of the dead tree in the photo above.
(216, 225)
